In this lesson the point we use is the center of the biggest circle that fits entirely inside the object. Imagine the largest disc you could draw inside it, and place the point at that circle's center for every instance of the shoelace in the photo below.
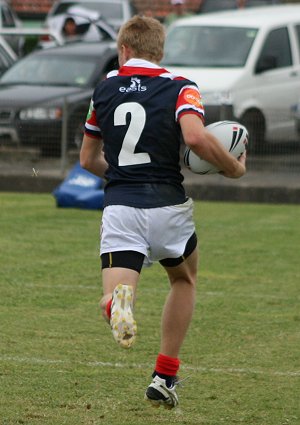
(179, 382)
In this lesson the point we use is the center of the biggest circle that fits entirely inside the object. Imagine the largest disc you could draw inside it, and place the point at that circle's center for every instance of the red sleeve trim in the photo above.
(180, 115)
(92, 136)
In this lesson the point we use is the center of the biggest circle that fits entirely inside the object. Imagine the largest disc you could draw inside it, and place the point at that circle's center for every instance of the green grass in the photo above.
(59, 364)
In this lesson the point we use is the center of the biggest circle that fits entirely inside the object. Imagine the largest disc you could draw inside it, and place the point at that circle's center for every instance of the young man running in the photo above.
(133, 132)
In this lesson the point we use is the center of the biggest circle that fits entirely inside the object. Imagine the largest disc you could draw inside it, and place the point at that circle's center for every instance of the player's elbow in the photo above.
(85, 160)
(195, 142)
(193, 131)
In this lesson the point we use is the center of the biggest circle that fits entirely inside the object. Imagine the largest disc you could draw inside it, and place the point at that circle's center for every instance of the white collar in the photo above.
(142, 63)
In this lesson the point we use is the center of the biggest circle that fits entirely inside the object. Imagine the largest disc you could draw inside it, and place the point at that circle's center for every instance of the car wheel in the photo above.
(255, 124)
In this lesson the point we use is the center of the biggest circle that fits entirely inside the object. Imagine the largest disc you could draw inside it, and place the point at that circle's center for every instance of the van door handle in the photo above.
(293, 74)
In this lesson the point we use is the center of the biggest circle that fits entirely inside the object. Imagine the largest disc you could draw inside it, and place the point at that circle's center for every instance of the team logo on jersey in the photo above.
(135, 86)
(89, 114)
(192, 96)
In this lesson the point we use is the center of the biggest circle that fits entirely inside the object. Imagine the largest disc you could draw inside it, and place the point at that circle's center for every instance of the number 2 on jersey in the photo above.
(127, 155)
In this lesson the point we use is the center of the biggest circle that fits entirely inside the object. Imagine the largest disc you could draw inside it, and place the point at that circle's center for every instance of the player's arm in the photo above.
(205, 145)
(92, 155)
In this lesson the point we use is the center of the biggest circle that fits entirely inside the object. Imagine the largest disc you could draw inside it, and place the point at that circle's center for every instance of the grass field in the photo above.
(59, 364)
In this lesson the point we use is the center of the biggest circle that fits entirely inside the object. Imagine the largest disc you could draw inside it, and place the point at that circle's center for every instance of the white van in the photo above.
(246, 64)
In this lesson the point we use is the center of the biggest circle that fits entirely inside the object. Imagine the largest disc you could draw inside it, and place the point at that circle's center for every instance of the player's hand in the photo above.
(242, 158)
(240, 170)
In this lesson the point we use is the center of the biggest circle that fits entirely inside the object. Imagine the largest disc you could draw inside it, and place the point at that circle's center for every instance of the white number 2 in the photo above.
(127, 156)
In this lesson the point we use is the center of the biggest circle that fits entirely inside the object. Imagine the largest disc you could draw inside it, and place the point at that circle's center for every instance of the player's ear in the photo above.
(127, 52)
(122, 55)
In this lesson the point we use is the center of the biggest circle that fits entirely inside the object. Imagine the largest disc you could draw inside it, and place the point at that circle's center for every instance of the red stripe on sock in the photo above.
(167, 365)
(108, 308)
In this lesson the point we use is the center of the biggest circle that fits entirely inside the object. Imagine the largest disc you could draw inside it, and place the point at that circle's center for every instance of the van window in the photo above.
(208, 46)
(277, 46)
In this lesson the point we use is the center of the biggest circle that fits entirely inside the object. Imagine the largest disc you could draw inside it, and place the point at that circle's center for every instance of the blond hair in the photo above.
(145, 36)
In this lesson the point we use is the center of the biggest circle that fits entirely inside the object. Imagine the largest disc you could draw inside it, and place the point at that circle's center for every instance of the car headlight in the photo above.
(217, 98)
(40, 114)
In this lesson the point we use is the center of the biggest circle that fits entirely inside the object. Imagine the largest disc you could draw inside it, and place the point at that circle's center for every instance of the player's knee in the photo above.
(187, 279)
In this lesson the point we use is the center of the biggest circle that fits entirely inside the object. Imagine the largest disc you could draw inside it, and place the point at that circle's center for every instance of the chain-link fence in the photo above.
(53, 134)
(43, 131)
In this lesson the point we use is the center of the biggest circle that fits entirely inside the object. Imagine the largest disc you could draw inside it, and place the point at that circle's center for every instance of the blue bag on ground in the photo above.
(80, 189)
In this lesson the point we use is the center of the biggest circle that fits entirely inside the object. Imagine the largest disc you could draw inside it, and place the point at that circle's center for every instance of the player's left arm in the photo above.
(190, 115)
(208, 147)
(92, 155)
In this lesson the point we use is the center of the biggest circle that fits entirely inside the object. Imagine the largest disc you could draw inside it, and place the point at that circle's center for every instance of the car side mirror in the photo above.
(266, 63)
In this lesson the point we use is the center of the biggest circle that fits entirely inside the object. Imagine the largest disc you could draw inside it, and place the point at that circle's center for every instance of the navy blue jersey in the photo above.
(136, 111)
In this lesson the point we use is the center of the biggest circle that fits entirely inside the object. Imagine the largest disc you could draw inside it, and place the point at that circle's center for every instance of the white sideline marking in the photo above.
(222, 371)
(204, 293)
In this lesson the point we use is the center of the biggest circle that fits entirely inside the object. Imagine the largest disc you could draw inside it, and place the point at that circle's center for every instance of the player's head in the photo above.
(142, 37)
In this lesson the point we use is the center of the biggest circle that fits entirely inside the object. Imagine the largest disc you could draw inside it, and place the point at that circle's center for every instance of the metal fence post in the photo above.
(64, 137)
(226, 112)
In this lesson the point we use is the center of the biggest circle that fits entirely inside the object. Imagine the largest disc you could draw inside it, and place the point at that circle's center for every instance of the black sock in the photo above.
(169, 379)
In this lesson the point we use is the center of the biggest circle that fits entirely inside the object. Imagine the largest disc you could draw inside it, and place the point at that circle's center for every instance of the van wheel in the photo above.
(255, 124)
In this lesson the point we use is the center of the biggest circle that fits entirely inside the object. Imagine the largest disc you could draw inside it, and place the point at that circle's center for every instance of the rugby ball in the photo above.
(232, 135)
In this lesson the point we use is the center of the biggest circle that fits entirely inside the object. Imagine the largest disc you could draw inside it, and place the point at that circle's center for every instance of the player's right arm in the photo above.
(91, 153)
(208, 147)
(92, 156)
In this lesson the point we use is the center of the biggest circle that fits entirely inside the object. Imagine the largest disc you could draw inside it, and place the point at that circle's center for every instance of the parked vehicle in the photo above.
(8, 19)
(7, 56)
(296, 111)
(54, 38)
(247, 66)
(88, 26)
(35, 92)
(113, 12)
(218, 5)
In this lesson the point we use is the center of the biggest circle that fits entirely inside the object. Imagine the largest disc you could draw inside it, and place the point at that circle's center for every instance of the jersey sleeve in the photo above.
(189, 102)
(91, 127)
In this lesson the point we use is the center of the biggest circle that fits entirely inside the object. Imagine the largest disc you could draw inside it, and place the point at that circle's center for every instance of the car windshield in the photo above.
(51, 70)
(208, 46)
(107, 10)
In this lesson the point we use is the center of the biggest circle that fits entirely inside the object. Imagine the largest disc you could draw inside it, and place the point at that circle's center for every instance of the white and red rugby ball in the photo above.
(232, 135)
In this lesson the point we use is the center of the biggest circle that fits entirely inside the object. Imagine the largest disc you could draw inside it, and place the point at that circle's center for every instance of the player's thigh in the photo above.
(111, 277)
(171, 228)
(185, 271)
(123, 229)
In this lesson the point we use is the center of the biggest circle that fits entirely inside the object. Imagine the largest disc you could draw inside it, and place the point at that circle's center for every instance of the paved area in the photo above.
(279, 182)
(255, 186)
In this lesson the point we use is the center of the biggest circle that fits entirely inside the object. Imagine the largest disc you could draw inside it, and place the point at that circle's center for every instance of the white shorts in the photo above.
(158, 233)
